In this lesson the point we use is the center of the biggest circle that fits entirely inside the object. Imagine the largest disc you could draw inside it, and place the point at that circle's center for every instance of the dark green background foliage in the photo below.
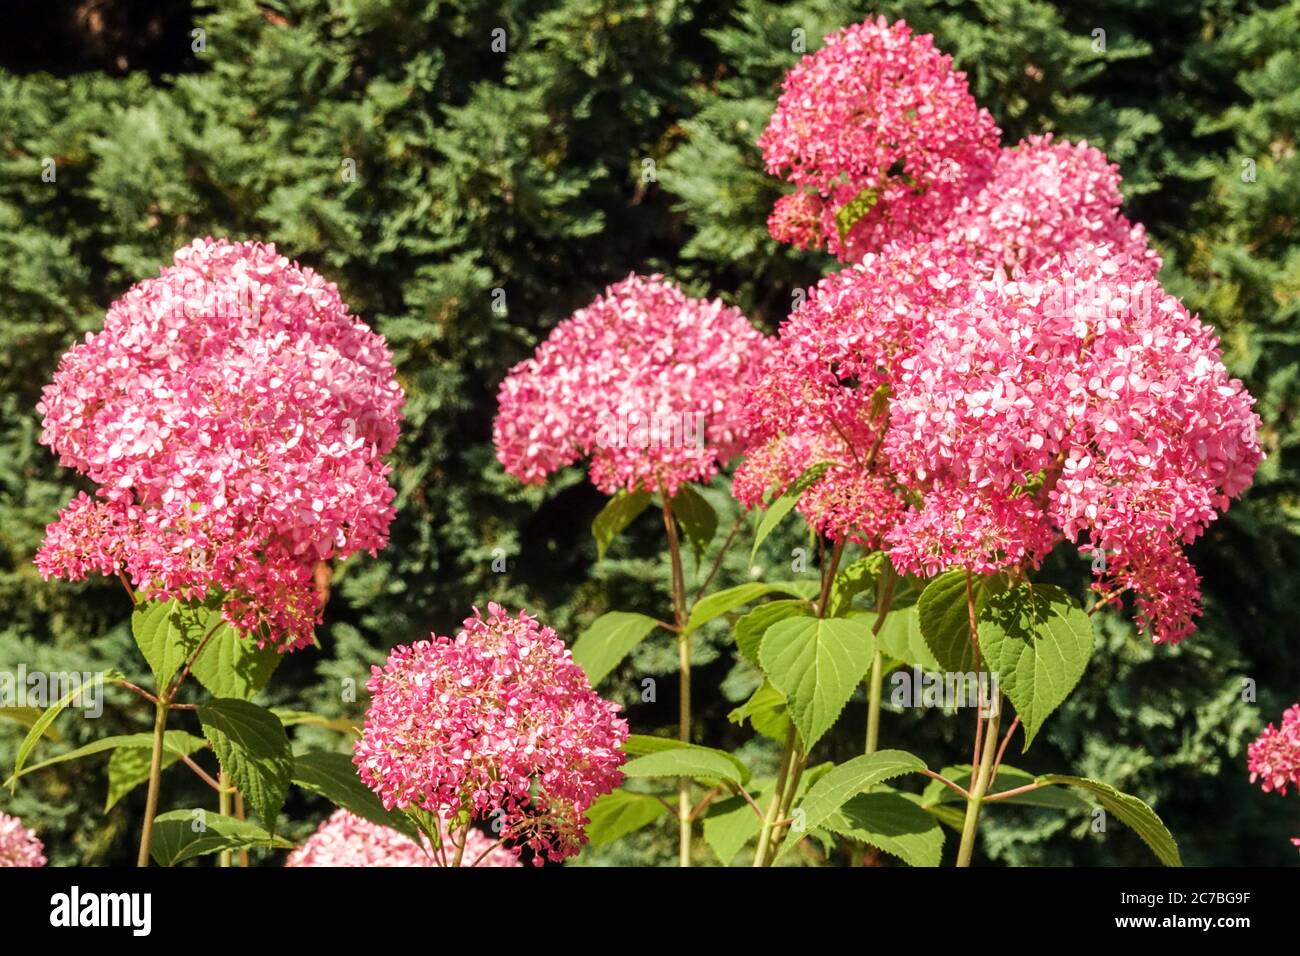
(523, 171)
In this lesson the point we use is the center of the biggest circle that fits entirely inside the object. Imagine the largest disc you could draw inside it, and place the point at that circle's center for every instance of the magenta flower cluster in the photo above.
(345, 839)
(1274, 757)
(1001, 376)
(646, 381)
(498, 722)
(19, 846)
(233, 415)
(878, 111)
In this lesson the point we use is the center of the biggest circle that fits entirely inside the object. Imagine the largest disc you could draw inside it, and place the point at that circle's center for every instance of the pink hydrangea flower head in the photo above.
(797, 219)
(1274, 757)
(345, 839)
(233, 415)
(646, 381)
(19, 846)
(879, 111)
(1080, 401)
(823, 397)
(1047, 197)
(498, 722)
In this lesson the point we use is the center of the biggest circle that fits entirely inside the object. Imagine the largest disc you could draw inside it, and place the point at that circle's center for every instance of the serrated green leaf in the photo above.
(167, 633)
(184, 834)
(1038, 642)
(817, 664)
(750, 629)
(100, 746)
(617, 814)
(611, 637)
(343, 725)
(619, 512)
(945, 619)
(334, 777)
(1129, 810)
(234, 666)
(27, 717)
(784, 504)
(253, 749)
(642, 744)
(847, 780)
(851, 581)
(892, 823)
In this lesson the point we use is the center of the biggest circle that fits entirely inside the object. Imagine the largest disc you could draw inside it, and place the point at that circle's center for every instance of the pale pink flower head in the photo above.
(19, 846)
(345, 839)
(879, 108)
(1274, 757)
(646, 381)
(499, 722)
(234, 416)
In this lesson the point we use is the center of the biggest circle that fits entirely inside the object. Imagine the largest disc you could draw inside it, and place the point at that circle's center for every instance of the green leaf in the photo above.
(1009, 778)
(848, 215)
(697, 517)
(721, 602)
(1038, 642)
(42, 723)
(849, 779)
(253, 748)
(750, 629)
(945, 619)
(900, 638)
(890, 822)
(27, 717)
(817, 664)
(128, 767)
(642, 744)
(619, 512)
(184, 834)
(766, 711)
(617, 814)
(289, 718)
(334, 777)
(783, 505)
(234, 666)
(167, 633)
(610, 638)
(731, 823)
(851, 581)
(99, 747)
(1130, 811)
(699, 763)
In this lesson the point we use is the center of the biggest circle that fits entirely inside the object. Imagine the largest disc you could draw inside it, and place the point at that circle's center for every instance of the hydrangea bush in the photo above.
(995, 373)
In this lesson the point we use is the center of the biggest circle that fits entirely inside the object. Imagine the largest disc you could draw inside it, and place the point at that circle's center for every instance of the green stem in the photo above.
(774, 805)
(884, 599)
(684, 678)
(155, 782)
(225, 804)
(977, 794)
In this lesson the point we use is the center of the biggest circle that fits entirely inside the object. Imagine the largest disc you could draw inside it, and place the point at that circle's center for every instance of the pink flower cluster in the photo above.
(19, 846)
(234, 415)
(646, 382)
(975, 421)
(876, 109)
(1274, 757)
(500, 722)
(346, 839)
